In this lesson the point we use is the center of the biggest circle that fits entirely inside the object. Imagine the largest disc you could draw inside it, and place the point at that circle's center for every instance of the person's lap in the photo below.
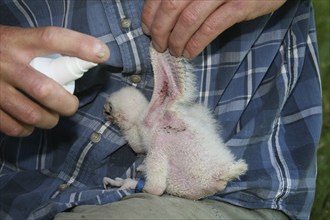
(146, 206)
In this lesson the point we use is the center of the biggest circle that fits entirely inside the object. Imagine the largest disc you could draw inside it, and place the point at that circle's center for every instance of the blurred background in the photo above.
(321, 207)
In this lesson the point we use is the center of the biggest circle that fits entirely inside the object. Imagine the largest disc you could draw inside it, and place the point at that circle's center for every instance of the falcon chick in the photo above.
(186, 156)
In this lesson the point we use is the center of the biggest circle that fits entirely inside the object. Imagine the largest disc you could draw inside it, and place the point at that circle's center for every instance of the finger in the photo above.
(189, 22)
(149, 10)
(214, 25)
(49, 40)
(11, 127)
(45, 91)
(24, 110)
(164, 22)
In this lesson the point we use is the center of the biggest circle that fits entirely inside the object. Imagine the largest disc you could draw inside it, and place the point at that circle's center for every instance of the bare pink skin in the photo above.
(186, 156)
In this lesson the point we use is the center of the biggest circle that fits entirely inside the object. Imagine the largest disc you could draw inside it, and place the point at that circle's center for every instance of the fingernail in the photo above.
(100, 50)
(156, 46)
(173, 53)
(145, 29)
(186, 54)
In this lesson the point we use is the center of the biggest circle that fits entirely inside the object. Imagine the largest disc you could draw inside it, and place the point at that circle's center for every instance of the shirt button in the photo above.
(62, 187)
(135, 78)
(125, 22)
(95, 137)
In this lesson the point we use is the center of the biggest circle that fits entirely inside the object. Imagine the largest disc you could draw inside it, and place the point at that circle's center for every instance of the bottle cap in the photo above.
(64, 70)
(67, 69)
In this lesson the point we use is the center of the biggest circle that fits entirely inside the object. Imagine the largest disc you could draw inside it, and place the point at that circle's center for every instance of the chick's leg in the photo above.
(157, 172)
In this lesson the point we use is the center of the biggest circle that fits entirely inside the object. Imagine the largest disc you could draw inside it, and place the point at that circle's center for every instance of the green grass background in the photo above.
(321, 207)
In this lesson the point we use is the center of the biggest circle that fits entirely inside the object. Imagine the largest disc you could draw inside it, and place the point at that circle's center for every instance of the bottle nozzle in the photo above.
(83, 65)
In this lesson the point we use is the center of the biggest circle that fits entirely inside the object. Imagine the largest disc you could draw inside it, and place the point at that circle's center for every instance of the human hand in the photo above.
(29, 99)
(186, 27)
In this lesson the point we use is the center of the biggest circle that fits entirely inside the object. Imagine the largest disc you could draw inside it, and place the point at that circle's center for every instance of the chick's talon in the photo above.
(123, 184)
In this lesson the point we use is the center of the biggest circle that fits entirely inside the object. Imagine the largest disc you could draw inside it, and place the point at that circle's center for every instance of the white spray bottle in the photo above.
(63, 69)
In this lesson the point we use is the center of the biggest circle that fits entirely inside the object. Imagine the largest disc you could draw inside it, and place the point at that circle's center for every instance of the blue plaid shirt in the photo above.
(260, 78)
